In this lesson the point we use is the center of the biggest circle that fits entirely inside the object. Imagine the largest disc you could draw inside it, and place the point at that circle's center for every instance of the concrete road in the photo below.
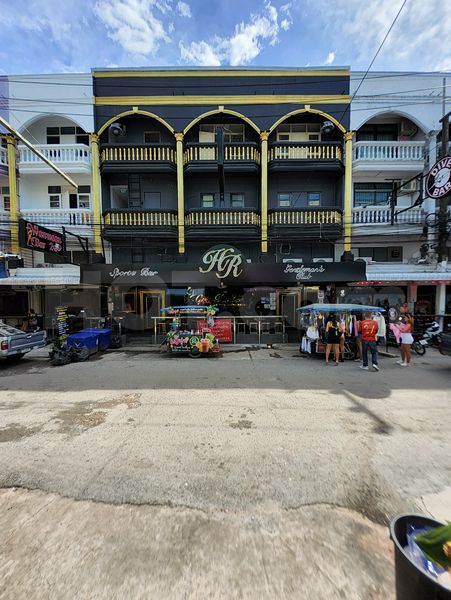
(253, 435)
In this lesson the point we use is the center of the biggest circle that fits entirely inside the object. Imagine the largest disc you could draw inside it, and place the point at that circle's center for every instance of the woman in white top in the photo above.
(406, 329)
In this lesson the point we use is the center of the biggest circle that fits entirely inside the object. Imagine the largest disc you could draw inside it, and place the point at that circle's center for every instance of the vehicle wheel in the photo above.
(194, 353)
(419, 348)
(349, 354)
(15, 357)
(80, 354)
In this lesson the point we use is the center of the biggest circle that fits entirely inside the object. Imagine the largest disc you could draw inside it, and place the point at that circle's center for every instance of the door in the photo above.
(151, 303)
(288, 300)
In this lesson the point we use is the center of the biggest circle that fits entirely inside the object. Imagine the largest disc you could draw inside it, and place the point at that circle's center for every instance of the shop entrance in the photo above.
(288, 300)
(150, 304)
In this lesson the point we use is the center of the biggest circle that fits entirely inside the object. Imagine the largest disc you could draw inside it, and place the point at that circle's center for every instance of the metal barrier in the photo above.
(252, 329)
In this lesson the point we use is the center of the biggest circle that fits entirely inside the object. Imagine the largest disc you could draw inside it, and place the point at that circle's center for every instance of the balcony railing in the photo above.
(393, 151)
(140, 218)
(3, 157)
(59, 216)
(232, 152)
(305, 151)
(382, 216)
(158, 153)
(58, 153)
(222, 217)
(305, 217)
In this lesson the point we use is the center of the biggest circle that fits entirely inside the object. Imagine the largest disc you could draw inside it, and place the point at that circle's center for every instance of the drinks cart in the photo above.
(190, 331)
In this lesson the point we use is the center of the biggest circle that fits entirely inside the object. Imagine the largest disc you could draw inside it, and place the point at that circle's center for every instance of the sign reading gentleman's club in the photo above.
(225, 261)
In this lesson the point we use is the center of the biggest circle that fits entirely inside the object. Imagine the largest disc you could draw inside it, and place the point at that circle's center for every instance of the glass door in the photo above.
(151, 303)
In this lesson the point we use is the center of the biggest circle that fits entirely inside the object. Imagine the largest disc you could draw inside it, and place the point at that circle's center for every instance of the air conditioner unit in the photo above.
(322, 260)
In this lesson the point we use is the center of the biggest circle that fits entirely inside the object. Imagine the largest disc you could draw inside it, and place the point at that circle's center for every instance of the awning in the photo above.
(405, 274)
(69, 275)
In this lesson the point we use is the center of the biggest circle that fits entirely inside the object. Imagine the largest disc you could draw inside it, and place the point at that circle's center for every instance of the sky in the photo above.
(53, 36)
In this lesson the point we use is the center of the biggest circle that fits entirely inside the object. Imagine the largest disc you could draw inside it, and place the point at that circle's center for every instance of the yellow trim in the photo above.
(264, 191)
(135, 111)
(219, 111)
(13, 197)
(216, 100)
(96, 200)
(307, 109)
(219, 73)
(180, 193)
(347, 205)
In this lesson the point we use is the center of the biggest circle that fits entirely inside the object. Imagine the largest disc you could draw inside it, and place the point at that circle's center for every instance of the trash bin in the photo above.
(412, 583)
(80, 339)
(103, 336)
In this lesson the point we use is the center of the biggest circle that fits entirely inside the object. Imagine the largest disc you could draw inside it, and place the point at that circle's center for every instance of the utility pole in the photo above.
(443, 206)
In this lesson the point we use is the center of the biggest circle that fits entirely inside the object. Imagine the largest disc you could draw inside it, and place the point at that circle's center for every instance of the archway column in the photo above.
(264, 191)
(347, 202)
(180, 193)
(96, 193)
(13, 196)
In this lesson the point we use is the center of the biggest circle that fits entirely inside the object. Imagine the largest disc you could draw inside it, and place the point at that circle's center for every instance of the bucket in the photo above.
(412, 582)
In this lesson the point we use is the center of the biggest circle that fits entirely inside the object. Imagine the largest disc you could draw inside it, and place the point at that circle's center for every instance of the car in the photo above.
(14, 343)
(444, 345)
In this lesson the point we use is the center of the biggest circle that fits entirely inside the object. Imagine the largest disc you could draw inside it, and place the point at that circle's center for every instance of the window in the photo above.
(372, 194)
(54, 192)
(233, 133)
(383, 253)
(207, 200)
(5, 201)
(284, 200)
(380, 132)
(137, 255)
(67, 135)
(152, 137)
(119, 196)
(82, 198)
(313, 198)
(299, 132)
(237, 200)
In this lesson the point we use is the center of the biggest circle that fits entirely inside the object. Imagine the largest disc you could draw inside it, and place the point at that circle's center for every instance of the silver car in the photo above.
(14, 343)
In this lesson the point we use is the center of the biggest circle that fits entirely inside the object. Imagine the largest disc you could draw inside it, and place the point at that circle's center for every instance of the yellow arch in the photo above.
(134, 112)
(308, 110)
(219, 111)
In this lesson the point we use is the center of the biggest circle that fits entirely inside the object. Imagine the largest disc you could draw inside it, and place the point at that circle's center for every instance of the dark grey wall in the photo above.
(164, 183)
(303, 182)
(247, 184)
(135, 128)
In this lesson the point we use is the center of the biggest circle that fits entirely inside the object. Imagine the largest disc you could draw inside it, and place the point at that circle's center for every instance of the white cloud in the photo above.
(199, 53)
(287, 22)
(183, 9)
(243, 46)
(330, 59)
(133, 24)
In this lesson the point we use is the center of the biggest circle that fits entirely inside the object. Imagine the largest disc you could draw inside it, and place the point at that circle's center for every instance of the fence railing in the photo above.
(140, 218)
(3, 157)
(58, 153)
(122, 153)
(374, 216)
(58, 216)
(232, 152)
(397, 151)
(305, 151)
(225, 217)
(305, 217)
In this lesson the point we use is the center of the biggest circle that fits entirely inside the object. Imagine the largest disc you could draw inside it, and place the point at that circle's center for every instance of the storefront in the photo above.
(259, 298)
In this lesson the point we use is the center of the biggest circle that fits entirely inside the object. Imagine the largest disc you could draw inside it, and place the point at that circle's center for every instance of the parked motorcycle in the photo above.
(431, 337)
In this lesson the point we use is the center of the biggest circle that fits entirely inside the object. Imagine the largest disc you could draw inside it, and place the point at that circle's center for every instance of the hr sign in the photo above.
(224, 260)
(438, 180)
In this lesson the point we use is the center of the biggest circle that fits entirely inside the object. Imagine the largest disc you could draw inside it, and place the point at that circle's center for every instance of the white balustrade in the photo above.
(58, 216)
(376, 216)
(58, 153)
(393, 151)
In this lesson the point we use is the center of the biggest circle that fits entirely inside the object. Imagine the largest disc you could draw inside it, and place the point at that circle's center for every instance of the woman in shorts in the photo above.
(406, 329)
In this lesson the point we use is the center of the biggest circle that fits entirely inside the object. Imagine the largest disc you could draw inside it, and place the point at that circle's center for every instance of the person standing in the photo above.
(369, 329)
(406, 329)
(333, 332)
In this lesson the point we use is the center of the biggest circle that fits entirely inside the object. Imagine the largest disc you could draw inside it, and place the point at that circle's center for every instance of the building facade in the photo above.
(258, 190)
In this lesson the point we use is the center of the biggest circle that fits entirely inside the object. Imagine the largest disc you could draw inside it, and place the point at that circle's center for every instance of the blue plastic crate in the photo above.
(103, 336)
(90, 340)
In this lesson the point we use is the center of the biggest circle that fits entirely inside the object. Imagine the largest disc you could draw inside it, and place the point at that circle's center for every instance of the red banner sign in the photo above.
(222, 329)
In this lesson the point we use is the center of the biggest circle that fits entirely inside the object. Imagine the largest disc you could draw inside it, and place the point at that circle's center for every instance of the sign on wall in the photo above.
(224, 261)
(35, 237)
(438, 180)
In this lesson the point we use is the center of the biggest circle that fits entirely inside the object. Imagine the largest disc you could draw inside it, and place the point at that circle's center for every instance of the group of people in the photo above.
(366, 340)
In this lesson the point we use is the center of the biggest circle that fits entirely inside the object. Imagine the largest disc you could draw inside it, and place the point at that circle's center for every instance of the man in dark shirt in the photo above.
(369, 328)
